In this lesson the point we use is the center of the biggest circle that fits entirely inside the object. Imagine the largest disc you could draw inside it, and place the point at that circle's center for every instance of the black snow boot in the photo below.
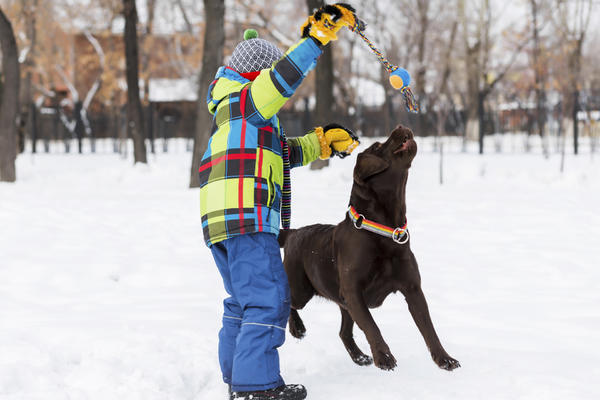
(283, 392)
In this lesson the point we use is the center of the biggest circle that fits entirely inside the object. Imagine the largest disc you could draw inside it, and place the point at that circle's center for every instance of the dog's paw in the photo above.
(384, 360)
(297, 329)
(446, 362)
(362, 359)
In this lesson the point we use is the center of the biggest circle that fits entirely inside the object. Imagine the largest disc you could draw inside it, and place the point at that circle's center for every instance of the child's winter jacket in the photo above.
(241, 172)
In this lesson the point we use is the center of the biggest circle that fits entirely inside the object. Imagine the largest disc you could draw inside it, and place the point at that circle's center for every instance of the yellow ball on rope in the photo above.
(396, 82)
(399, 78)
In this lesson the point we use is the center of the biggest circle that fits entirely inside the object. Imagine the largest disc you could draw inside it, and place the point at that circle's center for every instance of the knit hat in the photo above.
(254, 54)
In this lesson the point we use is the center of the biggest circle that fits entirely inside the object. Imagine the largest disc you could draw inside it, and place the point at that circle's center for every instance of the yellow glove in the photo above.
(327, 21)
(337, 140)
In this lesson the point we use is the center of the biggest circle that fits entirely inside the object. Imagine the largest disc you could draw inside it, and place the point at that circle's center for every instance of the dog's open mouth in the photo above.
(407, 145)
(402, 148)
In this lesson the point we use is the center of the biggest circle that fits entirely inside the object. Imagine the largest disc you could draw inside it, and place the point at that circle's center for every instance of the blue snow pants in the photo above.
(256, 312)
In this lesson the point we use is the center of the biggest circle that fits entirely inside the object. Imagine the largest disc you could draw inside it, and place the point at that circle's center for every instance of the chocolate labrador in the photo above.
(363, 259)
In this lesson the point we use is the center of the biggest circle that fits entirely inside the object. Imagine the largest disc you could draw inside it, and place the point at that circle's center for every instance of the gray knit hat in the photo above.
(254, 54)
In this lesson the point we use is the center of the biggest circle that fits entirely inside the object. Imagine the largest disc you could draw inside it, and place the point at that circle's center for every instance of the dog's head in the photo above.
(386, 163)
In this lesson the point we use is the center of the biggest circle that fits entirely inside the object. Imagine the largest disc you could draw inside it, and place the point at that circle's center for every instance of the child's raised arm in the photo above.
(274, 86)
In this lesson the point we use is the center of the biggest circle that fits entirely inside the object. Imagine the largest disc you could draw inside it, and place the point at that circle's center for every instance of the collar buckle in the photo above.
(358, 221)
(400, 236)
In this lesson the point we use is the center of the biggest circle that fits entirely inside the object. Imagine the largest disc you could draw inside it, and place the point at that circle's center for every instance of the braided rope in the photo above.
(409, 97)
(388, 66)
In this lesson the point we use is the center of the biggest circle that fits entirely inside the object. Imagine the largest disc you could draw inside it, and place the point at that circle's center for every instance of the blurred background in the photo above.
(479, 69)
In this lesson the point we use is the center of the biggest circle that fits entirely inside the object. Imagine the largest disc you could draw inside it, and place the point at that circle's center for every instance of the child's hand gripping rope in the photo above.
(335, 140)
(399, 77)
(324, 24)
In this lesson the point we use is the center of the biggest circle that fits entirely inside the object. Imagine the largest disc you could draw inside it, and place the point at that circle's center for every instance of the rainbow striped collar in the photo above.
(398, 235)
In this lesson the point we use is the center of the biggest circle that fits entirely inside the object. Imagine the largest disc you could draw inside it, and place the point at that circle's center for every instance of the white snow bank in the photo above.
(108, 292)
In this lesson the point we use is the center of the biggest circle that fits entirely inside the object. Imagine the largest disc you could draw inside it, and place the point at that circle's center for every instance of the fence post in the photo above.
(150, 125)
(162, 123)
(32, 130)
(92, 136)
(575, 122)
(78, 126)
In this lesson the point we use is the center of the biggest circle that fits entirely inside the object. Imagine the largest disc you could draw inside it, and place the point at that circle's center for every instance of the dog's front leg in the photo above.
(420, 313)
(353, 296)
(417, 305)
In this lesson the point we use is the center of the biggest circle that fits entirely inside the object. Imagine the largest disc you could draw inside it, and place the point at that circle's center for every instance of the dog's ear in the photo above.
(368, 165)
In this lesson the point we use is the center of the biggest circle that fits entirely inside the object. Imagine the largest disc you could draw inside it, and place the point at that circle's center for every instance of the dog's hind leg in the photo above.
(301, 292)
(297, 328)
(347, 337)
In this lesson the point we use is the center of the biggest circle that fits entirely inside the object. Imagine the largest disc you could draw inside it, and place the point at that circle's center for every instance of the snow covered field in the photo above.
(108, 292)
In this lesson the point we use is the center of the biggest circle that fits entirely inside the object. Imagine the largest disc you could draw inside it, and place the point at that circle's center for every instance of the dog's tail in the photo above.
(283, 235)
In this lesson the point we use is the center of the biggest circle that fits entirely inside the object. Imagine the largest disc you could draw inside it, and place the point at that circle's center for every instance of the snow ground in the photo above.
(108, 292)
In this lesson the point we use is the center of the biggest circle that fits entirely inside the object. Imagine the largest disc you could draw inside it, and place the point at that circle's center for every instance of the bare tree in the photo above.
(212, 58)
(97, 82)
(9, 103)
(135, 120)
(539, 67)
(145, 56)
(188, 25)
(78, 123)
(480, 79)
(29, 10)
(441, 102)
(420, 82)
(266, 17)
(572, 20)
(472, 43)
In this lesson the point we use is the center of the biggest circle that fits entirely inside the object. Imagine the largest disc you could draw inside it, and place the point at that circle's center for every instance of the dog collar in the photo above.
(398, 235)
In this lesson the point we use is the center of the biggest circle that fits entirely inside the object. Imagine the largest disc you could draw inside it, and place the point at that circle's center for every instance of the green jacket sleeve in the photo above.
(304, 149)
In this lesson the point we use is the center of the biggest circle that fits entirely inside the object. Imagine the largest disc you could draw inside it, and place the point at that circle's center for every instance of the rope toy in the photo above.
(399, 77)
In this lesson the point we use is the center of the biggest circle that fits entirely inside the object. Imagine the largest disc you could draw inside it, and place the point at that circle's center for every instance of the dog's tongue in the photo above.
(401, 148)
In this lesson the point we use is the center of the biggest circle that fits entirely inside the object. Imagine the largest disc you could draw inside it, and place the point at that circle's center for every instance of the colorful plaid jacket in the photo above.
(241, 172)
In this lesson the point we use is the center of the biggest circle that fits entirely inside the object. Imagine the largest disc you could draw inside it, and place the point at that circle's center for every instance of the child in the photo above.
(244, 188)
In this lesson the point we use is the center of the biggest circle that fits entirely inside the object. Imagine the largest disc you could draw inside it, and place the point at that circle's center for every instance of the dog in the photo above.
(358, 268)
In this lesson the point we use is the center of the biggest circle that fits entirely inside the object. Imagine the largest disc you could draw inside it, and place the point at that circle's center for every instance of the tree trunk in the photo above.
(420, 78)
(575, 62)
(212, 58)
(9, 104)
(78, 125)
(324, 85)
(575, 122)
(481, 115)
(148, 30)
(473, 71)
(423, 10)
(539, 69)
(135, 119)
(28, 108)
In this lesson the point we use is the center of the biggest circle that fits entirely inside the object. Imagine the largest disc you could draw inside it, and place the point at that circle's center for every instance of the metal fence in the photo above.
(169, 120)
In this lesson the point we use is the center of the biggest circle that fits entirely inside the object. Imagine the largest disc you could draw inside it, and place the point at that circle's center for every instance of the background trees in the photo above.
(9, 102)
(135, 120)
(214, 40)
(478, 67)
(571, 21)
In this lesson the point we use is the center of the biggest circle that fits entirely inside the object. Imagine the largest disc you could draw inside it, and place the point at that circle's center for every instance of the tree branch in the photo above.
(67, 82)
